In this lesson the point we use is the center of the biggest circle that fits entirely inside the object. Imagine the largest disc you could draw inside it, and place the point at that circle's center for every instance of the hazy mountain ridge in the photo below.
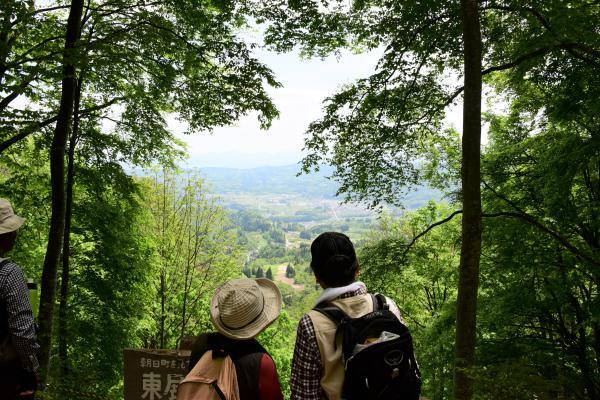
(283, 180)
(278, 180)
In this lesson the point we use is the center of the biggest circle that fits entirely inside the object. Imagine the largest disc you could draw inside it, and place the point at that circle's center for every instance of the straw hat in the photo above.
(9, 222)
(242, 308)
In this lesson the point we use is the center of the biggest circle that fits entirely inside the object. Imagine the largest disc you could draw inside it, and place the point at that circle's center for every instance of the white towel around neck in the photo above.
(332, 293)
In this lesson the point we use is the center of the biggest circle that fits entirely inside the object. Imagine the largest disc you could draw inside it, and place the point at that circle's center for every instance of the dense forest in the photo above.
(497, 277)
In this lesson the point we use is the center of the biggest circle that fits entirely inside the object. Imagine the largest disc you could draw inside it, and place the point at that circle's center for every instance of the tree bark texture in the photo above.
(470, 254)
(57, 180)
(66, 252)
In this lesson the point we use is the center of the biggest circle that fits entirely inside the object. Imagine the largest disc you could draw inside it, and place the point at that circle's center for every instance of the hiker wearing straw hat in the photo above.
(232, 360)
(18, 347)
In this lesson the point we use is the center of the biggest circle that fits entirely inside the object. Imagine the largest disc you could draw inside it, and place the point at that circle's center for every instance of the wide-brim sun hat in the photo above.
(243, 308)
(9, 221)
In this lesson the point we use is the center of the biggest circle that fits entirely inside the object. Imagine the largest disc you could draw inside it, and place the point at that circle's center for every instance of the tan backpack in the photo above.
(210, 379)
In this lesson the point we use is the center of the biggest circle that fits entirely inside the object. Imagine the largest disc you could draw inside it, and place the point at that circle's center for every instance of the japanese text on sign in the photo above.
(154, 374)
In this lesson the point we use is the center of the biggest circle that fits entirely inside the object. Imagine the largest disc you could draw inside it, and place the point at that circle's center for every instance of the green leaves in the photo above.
(195, 252)
(423, 284)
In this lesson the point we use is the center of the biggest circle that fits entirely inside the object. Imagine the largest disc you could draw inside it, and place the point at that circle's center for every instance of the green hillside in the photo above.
(283, 180)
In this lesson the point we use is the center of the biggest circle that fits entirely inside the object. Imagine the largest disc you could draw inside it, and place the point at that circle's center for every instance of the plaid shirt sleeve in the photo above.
(15, 295)
(305, 383)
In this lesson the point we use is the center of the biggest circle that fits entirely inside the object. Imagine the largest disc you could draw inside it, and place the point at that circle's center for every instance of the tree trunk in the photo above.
(163, 271)
(57, 179)
(470, 253)
(185, 283)
(4, 48)
(162, 309)
(66, 252)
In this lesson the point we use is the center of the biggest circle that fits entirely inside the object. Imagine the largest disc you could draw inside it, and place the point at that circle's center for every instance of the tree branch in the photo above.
(569, 47)
(557, 236)
(517, 61)
(19, 89)
(26, 132)
(429, 228)
(502, 67)
(39, 125)
(39, 11)
(32, 49)
(521, 216)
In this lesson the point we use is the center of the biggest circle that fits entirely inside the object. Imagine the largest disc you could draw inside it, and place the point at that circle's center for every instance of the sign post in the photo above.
(154, 374)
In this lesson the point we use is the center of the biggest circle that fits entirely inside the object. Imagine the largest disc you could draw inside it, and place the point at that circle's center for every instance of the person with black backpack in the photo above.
(352, 344)
(18, 346)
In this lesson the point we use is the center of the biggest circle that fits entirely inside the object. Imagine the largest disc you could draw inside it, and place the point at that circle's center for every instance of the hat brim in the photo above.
(11, 224)
(271, 310)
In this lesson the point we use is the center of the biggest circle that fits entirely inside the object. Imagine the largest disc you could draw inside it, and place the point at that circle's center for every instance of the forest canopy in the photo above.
(498, 281)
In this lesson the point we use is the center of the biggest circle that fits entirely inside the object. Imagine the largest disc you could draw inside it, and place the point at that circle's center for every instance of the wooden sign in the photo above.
(153, 374)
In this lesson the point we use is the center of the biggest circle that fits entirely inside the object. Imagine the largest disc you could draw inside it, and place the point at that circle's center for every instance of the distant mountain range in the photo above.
(242, 160)
(271, 180)
(283, 180)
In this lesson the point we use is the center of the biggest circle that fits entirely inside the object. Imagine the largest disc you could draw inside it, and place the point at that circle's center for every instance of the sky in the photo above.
(306, 83)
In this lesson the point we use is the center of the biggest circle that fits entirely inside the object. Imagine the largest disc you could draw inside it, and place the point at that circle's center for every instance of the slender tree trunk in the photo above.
(66, 252)
(596, 329)
(163, 316)
(4, 47)
(470, 253)
(434, 384)
(57, 179)
(163, 272)
(185, 283)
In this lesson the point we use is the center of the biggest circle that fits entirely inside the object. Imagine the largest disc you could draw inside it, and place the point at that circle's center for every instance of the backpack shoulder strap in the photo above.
(218, 390)
(335, 314)
(381, 302)
(331, 311)
(210, 377)
(376, 302)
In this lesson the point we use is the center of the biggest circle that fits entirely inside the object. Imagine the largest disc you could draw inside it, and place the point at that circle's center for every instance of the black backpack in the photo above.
(385, 368)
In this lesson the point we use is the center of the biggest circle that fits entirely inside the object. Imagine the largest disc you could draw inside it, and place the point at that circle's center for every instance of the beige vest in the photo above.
(332, 378)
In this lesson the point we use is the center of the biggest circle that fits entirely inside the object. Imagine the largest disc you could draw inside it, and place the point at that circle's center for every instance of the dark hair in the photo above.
(7, 240)
(334, 259)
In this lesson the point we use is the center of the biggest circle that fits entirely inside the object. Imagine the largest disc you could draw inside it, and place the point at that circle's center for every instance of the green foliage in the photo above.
(23, 180)
(375, 130)
(290, 272)
(260, 273)
(110, 289)
(109, 269)
(422, 281)
(250, 221)
(141, 60)
(384, 134)
(148, 253)
(539, 307)
(195, 253)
